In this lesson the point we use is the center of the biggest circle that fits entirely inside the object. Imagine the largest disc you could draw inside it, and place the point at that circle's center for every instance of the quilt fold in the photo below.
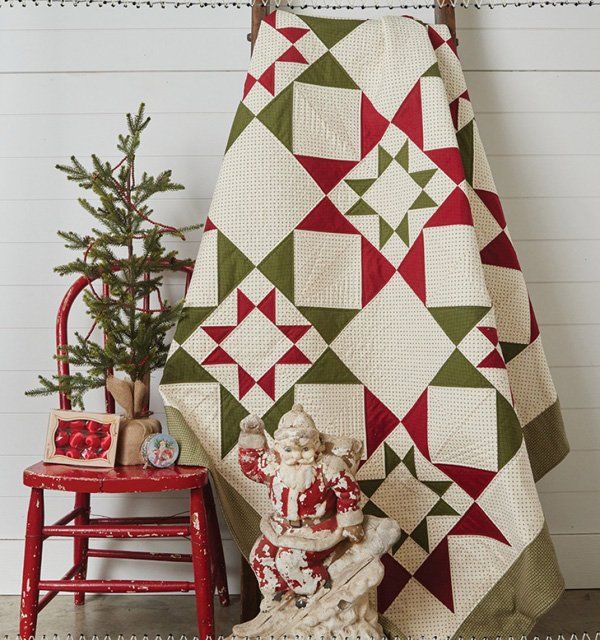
(356, 259)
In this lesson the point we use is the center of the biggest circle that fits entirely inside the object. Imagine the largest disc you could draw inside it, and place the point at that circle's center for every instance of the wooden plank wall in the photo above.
(68, 74)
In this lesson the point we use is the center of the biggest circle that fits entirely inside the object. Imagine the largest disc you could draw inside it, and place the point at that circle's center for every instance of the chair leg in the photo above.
(204, 587)
(216, 548)
(80, 545)
(32, 564)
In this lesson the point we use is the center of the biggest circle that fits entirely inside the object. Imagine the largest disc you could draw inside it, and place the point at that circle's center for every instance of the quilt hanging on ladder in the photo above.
(356, 260)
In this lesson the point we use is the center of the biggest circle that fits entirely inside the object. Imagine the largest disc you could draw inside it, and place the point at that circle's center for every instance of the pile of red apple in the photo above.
(82, 439)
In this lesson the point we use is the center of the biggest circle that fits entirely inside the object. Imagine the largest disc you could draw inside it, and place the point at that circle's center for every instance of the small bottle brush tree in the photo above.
(126, 253)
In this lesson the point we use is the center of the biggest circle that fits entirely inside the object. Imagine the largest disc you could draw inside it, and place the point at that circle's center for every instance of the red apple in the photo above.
(73, 453)
(61, 439)
(78, 424)
(95, 427)
(77, 440)
(105, 442)
(92, 441)
(89, 453)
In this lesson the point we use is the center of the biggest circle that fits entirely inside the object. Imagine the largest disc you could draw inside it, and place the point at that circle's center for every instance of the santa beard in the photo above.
(296, 476)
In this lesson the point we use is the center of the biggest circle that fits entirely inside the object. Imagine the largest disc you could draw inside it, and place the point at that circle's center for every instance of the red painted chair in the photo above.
(200, 526)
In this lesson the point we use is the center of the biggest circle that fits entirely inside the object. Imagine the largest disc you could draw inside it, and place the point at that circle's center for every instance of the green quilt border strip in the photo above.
(241, 518)
(546, 441)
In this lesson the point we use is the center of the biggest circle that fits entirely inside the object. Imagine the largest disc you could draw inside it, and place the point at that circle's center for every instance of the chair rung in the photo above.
(117, 531)
(139, 555)
(48, 597)
(142, 520)
(116, 586)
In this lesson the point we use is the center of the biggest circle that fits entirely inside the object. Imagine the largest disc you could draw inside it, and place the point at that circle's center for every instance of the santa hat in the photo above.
(296, 424)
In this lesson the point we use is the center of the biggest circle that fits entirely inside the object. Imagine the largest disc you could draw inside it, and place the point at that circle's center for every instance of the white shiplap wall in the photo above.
(68, 74)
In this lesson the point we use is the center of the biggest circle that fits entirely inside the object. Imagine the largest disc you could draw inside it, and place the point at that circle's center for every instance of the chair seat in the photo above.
(130, 479)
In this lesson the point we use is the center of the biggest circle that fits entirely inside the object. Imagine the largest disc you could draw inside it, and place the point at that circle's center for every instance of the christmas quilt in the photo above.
(356, 260)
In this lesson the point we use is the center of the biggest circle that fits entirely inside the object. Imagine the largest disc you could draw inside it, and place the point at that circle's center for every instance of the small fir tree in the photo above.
(125, 252)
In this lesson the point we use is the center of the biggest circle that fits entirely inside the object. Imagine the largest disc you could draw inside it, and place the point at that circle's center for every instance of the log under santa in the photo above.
(315, 500)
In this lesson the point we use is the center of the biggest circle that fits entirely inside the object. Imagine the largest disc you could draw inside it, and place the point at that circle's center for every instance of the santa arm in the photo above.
(253, 453)
(347, 492)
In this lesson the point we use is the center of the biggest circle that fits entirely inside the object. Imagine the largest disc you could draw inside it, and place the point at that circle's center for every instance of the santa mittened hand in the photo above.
(252, 424)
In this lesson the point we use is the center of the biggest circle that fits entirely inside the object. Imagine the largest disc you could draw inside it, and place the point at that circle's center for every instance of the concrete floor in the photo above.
(577, 612)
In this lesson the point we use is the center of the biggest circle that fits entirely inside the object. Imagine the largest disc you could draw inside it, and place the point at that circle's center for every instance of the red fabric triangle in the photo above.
(435, 38)
(218, 356)
(409, 117)
(293, 34)
(533, 325)
(245, 382)
(326, 217)
(454, 210)
(294, 356)
(376, 271)
(372, 126)
(244, 305)
(218, 334)
(500, 253)
(293, 331)
(472, 480)
(267, 383)
(454, 105)
(268, 304)
(412, 268)
(209, 225)
(434, 574)
(415, 423)
(491, 333)
(267, 79)
(492, 361)
(326, 173)
(270, 19)
(449, 161)
(394, 580)
(292, 55)
(380, 422)
(493, 205)
(476, 522)
(248, 84)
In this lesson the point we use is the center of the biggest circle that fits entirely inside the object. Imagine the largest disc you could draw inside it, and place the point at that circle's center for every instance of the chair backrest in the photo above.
(62, 321)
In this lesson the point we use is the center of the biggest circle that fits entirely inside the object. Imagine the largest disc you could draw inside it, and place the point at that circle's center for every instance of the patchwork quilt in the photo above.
(356, 260)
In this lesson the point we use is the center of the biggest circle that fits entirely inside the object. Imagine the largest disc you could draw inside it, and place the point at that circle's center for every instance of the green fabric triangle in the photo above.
(189, 320)
(400, 541)
(442, 508)
(409, 462)
(467, 151)
(329, 31)
(383, 160)
(403, 230)
(420, 535)
(423, 177)
(278, 267)
(329, 369)
(391, 459)
(457, 321)
(328, 322)
(511, 350)
(369, 487)
(423, 201)
(360, 186)
(402, 156)
(385, 232)
(361, 208)
(510, 432)
(277, 117)
(274, 414)
(232, 413)
(438, 486)
(371, 509)
(181, 367)
(432, 72)
(459, 372)
(233, 266)
(326, 72)
(243, 117)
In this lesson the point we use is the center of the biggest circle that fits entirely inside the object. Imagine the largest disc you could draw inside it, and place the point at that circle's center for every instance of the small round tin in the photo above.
(160, 450)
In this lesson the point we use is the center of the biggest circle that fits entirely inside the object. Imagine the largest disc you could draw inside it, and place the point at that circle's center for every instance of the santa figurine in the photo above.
(315, 504)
